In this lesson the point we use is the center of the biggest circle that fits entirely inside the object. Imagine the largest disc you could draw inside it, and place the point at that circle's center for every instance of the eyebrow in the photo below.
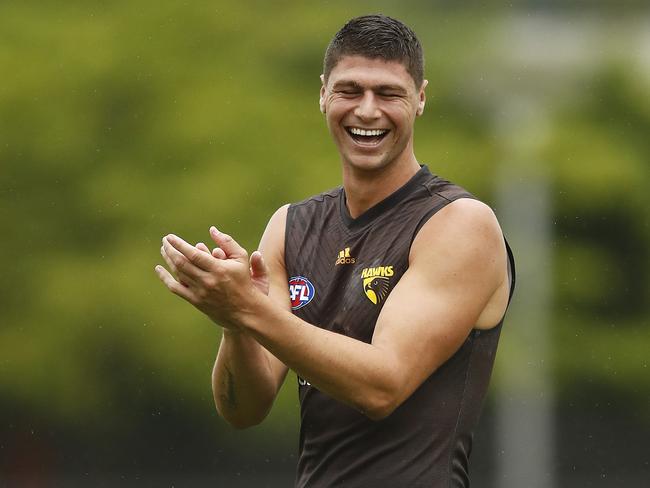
(347, 84)
(380, 88)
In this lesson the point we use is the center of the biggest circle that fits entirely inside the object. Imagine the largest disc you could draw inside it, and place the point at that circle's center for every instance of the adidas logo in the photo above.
(345, 258)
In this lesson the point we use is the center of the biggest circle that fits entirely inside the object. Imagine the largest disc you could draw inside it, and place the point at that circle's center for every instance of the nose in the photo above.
(367, 107)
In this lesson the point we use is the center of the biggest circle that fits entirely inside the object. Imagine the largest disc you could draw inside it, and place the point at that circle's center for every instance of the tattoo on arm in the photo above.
(228, 390)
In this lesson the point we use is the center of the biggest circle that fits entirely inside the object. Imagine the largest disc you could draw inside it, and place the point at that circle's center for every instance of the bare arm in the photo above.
(246, 377)
(245, 380)
(453, 278)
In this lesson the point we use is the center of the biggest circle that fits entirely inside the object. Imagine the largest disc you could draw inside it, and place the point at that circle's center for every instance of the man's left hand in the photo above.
(220, 284)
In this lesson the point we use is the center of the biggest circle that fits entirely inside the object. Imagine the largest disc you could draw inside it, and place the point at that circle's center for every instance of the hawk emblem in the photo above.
(376, 288)
(376, 282)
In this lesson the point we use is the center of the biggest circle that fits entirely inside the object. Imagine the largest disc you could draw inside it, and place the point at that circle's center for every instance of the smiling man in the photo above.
(386, 295)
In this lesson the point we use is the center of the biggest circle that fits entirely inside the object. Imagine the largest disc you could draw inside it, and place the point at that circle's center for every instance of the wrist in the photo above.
(231, 333)
(255, 315)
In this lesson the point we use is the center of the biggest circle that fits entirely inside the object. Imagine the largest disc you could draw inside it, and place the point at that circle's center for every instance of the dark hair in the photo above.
(377, 36)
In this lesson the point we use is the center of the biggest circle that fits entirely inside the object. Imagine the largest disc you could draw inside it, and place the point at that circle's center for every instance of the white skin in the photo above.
(458, 276)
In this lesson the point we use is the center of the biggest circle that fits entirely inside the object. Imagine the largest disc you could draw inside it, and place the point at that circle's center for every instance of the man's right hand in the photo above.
(259, 270)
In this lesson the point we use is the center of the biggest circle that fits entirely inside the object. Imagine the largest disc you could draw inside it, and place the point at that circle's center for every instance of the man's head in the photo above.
(377, 37)
(372, 91)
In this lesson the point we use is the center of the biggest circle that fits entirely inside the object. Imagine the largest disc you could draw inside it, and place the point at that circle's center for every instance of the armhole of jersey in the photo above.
(512, 275)
(510, 263)
(434, 210)
(290, 210)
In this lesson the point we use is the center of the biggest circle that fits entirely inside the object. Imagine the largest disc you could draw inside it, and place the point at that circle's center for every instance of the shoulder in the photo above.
(319, 199)
(277, 222)
(290, 215)
(314, 209)
(464, 215)
(445, 189)
(273, 237)
(464, 233)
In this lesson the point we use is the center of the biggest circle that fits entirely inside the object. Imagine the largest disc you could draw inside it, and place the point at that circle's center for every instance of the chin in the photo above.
(369, 164)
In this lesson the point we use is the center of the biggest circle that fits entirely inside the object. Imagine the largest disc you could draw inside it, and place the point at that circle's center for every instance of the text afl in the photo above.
(301, 292)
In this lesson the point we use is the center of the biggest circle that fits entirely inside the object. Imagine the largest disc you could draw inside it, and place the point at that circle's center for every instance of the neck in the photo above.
(365, 189)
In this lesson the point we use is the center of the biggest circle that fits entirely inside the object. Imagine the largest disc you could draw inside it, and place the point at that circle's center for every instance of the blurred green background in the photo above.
(123, 121)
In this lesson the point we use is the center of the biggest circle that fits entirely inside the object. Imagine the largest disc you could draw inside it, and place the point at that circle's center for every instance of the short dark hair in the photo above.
(377, 36)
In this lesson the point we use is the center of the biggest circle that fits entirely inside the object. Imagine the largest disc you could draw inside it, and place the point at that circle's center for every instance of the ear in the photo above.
(422, 98)
(321, 101)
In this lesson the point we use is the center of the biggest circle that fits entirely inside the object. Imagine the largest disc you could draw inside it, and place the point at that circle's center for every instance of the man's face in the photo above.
(370, 106)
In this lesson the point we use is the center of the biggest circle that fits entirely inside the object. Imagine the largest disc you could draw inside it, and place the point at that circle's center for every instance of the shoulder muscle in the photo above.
(461, 241)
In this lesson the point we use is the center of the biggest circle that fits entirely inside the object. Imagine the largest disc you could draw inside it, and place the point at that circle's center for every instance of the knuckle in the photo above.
(179, 263)
(210, 281)
(194, 256)
(180, 290)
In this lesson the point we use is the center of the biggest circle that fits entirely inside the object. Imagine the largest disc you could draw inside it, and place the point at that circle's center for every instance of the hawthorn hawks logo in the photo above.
(376, 282)
(301, 292)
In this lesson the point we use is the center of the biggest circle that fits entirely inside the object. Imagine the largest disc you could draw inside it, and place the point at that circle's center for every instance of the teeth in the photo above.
(364, 132)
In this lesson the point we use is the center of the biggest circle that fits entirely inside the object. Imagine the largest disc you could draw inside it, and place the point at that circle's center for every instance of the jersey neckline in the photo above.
(386, 204)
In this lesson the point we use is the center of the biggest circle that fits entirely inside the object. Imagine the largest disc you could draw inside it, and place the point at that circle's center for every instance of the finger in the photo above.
(228, 244)
(202, 247)
(199, 259)
(218, 253)
(174, 286)
(181, 264)
(258, 265)
(168, 260)
(183, 278)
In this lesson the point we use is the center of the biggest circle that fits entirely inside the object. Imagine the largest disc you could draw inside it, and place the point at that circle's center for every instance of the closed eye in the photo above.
(348, 93)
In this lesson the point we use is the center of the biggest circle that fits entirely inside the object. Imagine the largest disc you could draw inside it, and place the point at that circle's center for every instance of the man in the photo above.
(398, 283)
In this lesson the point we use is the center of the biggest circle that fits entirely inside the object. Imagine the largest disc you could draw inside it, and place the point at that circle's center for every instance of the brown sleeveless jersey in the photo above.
(341, 271)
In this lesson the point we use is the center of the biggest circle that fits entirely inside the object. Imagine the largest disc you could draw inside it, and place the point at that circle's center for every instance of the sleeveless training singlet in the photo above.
(340, 272)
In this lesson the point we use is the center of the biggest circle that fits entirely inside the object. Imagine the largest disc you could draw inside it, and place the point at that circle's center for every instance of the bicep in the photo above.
(437, 302)
(272, 249)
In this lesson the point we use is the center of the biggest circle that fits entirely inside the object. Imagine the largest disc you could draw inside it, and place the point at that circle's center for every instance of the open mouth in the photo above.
(367, 136)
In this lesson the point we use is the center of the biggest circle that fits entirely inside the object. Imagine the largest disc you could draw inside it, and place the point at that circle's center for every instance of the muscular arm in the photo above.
(454, 277)
(246, 377)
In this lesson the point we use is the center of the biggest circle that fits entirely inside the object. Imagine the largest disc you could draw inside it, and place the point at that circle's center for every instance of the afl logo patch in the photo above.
(301, 292)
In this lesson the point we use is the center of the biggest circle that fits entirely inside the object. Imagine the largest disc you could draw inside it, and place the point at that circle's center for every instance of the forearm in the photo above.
(354, 372)
(243, 383)
(362, 375)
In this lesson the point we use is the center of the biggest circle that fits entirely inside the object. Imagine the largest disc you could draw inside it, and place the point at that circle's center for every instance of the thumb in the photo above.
(258, 265)
(228, 244)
